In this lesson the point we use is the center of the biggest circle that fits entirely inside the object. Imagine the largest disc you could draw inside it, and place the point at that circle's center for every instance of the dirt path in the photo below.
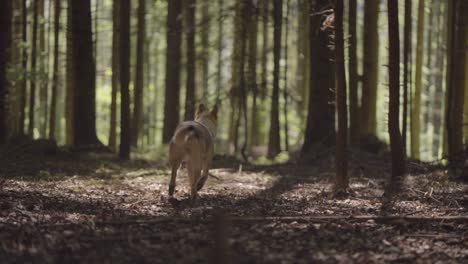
(111, 212)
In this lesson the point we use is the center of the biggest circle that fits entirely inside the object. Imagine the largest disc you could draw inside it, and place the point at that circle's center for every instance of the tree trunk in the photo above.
(43, 75)
(24, 64)
(70, 84)
(115, 73)
(416, 113)
(32, 93)
(220, 52)
(341, 182)
(205, 45)
(84, 75)
(285, 81)
(354, 127)
(53, 102)
(191, 60)
(125, 132)
(320, 128)
(252, 75)
(138, 89)
(371, 66)
(406, 67)
(396, 143)
(456, 76)
(303, 56)
(274, 147)
(5, 41)
(171, 102)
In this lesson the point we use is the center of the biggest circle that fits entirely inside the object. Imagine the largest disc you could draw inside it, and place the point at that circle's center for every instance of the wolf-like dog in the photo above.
(193, 142)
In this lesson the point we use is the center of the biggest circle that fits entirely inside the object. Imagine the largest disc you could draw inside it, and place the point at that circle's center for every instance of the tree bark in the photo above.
(115, 73)
(205, 45)
(354, 127)
(53, 102)
(191, 60)
(24, 64)
(371, 64)
(396, 143)
(32, 92)
(84, 75)
(406, 67)
(139, 75)
(456, 76)
(285, 80)
(416, 112)
(70, 84)
(5, 44)
(171, 102)
(274, 147)
(125, 132)
(252, 75)
(43, 74)
(341, 181)
(303, 75)
(320, 128)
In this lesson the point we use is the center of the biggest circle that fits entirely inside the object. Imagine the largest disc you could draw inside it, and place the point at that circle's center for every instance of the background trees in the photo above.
(243, 56)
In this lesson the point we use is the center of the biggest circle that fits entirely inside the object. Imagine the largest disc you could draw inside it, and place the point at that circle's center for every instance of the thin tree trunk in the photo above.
(371, 66)
(416, 113)
(53, 102)
(24, 65)
(285, 81)
(341, 182)
(125, 132)
(138, 89)
(171, 102)
(220, 52)
(191, 61)
(274, 147)
(396, 143)
(43, 91)
(354, 127)
(205, 45)
(5, 44)
(406, 66)
(252, 75)
(70, 86)
(303, 56)
(32, 93)
(115, 73)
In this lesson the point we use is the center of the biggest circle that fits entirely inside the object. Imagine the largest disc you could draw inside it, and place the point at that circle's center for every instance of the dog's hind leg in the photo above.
(175, 160)
(202, 180)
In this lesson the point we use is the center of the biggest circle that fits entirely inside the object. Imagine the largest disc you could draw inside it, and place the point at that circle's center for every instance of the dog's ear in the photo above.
(214, 112)
(200, 109)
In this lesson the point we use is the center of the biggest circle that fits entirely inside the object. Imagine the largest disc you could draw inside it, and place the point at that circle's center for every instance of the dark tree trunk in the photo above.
(341, 182)
(220, 53)
(125, 132)
(191, 61)
(320, 128)
(252, 76)
(53, 102)
(115, 73)
(171, 102)
(274, 147)
(354, 128)
(456, 77)
(138, 89)
(396, 143)
(5, 41)
(84, 75)
(32, 92)
(70, 83)
(24, 65)
(43, 75)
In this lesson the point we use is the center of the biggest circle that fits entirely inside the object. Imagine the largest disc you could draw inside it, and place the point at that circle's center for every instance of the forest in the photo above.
(233, 131)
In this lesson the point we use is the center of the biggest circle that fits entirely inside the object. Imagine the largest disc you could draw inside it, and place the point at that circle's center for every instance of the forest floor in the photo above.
(93, 208)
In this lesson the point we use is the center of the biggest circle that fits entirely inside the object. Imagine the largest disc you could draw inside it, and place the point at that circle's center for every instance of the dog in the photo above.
(193, 142)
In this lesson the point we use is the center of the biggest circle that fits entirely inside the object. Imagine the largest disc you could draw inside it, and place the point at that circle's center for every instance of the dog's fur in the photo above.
(193, 142)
